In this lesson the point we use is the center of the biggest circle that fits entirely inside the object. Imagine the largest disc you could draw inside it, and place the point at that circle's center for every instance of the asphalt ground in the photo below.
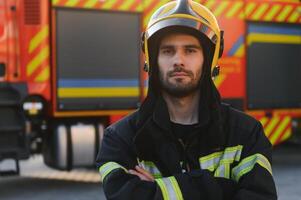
(287, 171)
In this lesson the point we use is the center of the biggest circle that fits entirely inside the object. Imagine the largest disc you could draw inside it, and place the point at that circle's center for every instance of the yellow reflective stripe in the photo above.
(263, 121)
(269, 128)
(150, 167)
(284, 13)
(176, 188)
(227, 171)
(157, 176)
(281, 127)
(248, 163)
(140, 7)
(71, 3)
(91, 3)
(211, 161)
(220, 171)
(214, 160)
(98, 92)
(54, 2)
(163, 189)
(221, 7)
(38, 38)
(126, 5)
(43, 76)
(272, 12)
(146, 4)
(249, 8)
(38, 59)
(231, 154)
(273, 38)
(223, 171)
(259, 12)
(287, 134)
(108, 4)
(264, 162)
(108, 167)
(294, 16)
(223, 166)
(237, 6)
(170, 188)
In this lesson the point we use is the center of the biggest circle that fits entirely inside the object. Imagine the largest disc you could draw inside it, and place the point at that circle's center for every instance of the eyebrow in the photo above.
(186, 46)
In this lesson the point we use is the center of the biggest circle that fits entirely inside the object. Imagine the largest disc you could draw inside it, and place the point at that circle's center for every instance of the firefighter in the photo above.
(183, 143)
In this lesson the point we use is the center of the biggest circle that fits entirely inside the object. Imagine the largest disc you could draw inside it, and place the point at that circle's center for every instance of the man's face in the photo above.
(180, 63)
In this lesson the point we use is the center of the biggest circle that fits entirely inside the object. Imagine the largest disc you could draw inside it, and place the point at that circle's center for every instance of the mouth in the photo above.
(179, 74)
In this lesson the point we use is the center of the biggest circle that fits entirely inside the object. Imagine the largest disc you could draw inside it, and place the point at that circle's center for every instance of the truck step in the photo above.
(12, 118)
(9, 96)
(12, 172)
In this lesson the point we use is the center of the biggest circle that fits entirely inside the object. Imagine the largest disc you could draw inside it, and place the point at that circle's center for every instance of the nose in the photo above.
(179, 59)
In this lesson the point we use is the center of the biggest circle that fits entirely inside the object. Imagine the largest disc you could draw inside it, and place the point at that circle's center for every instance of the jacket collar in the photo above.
(153, 140)
(162, 119)
(153, 124)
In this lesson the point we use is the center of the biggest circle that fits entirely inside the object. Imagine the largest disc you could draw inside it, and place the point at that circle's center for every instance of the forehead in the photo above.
(179, 39)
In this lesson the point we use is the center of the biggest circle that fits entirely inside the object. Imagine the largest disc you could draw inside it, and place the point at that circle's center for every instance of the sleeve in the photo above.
(115, 158)
(253, 173)
(113, 161)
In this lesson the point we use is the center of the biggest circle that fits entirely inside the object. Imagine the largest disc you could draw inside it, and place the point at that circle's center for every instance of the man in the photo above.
(183, 143)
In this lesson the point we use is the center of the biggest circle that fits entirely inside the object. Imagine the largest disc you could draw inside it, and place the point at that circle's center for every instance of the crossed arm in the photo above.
(124, 179)
(142, 174)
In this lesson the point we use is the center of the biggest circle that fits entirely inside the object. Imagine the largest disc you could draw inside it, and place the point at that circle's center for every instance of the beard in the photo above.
(180, 88)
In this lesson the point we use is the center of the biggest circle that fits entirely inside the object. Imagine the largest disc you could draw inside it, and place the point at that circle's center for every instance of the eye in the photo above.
(166, 51)
(190, 50)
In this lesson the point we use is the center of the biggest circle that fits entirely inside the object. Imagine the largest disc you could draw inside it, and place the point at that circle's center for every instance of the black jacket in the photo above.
(232, 162)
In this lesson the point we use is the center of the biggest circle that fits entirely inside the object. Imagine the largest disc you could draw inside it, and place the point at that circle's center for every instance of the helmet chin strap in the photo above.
(215, 71)
(146, 67)
(146, 53)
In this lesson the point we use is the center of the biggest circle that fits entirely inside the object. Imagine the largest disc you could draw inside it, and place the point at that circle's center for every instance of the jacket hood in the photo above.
(209, 96)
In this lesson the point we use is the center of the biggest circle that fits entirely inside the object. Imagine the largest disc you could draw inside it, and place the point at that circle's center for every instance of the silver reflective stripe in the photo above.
(231, 154)
(220, 171)
(170, 188)
(107, 168)
(210, 161)
(150, 167)
(248, 163)
(223, 171)
(214, 160)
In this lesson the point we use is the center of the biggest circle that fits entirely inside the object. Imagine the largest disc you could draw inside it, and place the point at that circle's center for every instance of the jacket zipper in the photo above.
(185, 162)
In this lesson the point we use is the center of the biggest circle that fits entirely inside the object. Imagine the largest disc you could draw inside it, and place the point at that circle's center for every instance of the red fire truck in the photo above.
(68, 68)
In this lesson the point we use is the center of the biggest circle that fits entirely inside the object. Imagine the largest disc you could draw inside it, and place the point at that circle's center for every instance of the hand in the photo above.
(142, 174)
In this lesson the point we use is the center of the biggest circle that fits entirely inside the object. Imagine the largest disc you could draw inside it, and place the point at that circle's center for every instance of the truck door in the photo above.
(97, 59)
(273, 66)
